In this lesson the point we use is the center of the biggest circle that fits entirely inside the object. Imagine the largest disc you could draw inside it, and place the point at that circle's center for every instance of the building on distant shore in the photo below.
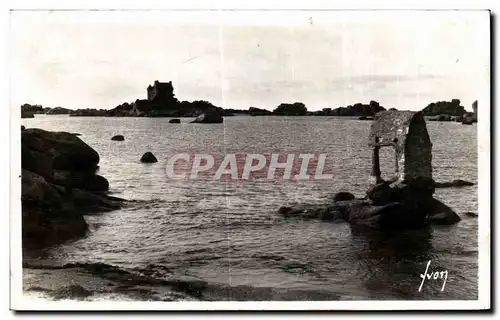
(161, 102)
(161, 91)
(160, 96)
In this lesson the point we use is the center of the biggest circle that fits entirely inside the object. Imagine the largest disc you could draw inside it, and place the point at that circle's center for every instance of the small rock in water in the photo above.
(454, 183)
(118, 137)
(211, 117)
(148, 157)
(284, 210)
(469, 120)
(343, 196)
(444, 218)
(471, 214)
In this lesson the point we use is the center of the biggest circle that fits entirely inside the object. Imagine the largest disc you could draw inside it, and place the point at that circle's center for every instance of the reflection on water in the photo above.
(229, 234)
(393, 259)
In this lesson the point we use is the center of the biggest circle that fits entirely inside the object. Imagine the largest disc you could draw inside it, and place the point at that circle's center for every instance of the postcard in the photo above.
(250, 159)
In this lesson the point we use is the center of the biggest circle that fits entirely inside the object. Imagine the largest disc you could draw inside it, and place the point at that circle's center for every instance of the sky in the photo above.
(234, 59)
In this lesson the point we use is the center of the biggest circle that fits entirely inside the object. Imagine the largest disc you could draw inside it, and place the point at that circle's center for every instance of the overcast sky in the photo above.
(95, 59)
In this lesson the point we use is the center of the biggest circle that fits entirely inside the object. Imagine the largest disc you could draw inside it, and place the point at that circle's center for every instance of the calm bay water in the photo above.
(229, 234)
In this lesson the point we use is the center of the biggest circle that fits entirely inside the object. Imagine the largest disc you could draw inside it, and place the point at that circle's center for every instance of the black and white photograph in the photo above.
(250, 159)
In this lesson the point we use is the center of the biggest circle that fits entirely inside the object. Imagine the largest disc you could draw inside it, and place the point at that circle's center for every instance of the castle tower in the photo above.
(160, 91)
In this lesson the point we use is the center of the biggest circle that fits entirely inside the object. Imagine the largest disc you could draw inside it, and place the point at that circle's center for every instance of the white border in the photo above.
(19, 302)
(251, 305)
(484, 190)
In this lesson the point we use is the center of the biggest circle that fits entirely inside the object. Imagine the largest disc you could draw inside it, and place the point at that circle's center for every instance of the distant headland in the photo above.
(161, 102)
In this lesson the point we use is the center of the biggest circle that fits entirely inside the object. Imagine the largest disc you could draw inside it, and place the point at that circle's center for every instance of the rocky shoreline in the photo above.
(59, 185)
(162, 102)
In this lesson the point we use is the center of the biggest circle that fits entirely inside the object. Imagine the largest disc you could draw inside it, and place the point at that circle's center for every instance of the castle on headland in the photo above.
(161, 102)
(159, 95)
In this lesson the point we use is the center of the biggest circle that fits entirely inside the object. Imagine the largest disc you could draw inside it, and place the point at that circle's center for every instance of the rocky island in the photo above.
(450, 111)
(161, 102)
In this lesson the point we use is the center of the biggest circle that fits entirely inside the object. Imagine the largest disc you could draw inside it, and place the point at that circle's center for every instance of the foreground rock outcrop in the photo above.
(59, 185)
(384, 207)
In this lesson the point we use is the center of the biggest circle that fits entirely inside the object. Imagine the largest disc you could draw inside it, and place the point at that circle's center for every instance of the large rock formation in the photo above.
(406, 200)
(450, 111)
(471, 117)
(58, 150)
(211, 117)
(28, 110)
(47, 214)
(59, 184)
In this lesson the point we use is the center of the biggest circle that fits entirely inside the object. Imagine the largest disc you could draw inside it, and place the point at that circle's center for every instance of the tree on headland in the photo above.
(293, 109)
(253, 111)
(57, 110)
(450, 108)
(358, 109)
(35, 108)
(28, 110)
